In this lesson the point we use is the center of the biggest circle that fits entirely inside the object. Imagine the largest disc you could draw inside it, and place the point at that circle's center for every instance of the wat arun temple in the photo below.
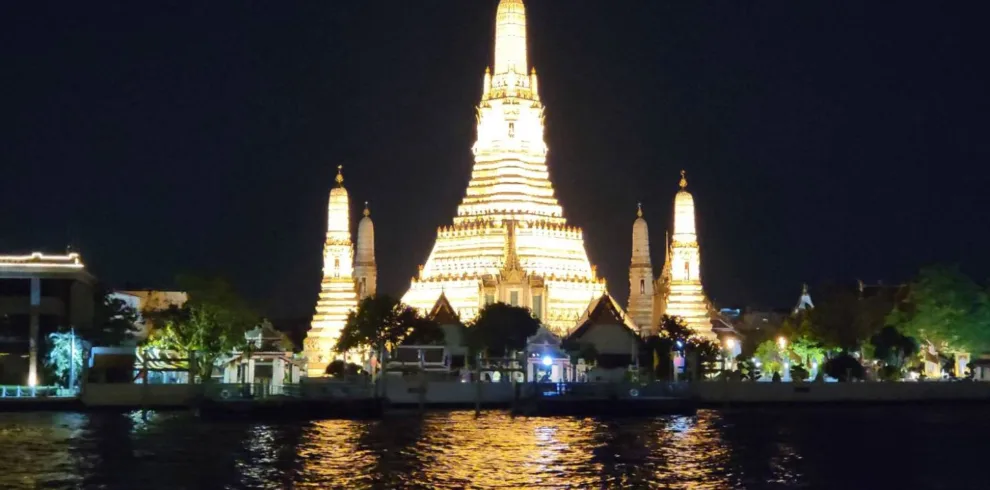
(510, 241)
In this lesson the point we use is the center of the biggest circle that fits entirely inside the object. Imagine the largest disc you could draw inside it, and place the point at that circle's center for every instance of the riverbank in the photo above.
(323, 399)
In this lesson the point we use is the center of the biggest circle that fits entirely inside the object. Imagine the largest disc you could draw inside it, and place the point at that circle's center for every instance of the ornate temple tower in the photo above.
(365, 270)
(640, 307)
(679, 287)
(509, 241)
(337, 296)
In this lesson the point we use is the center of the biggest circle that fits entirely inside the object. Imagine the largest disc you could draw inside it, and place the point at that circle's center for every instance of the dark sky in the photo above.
(823, 140)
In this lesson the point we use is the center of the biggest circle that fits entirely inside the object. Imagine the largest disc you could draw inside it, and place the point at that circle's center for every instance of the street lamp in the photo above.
(730, 346)
(782, 342)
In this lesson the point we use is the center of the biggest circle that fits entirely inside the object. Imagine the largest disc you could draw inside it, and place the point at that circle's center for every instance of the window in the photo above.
(512, 130)
(364, 287)
(538, 306)
(687, 271)
(642, 286)
(336, 267)
(514, 298)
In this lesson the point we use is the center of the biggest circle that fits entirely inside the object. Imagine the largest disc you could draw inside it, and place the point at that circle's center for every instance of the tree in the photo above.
(946, 310)
(747, 368)
(341, 369)
(806, 351)
(425, 332)
(674, 329)
(382, 322)
(708, 353)
(844, 367)
(211, 323)
(114, 321)
(770, 356)
(842, 320)
(501, 329)
(893, 348)
(65, 355)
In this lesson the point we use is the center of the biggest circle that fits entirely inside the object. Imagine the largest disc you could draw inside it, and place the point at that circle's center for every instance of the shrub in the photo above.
(844, 367)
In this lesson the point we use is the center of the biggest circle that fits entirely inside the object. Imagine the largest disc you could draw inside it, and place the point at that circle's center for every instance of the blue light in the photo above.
(680, 344)
(547, 360)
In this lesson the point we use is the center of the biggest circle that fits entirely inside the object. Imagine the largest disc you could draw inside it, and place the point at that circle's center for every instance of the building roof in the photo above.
(603, 310)
(443, 313)
(38, 263)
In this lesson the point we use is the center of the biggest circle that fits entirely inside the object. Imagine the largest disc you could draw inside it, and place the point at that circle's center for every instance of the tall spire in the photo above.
(640, 306)
(683, 180)
(365, 270)
(510, 38)
(340, 175)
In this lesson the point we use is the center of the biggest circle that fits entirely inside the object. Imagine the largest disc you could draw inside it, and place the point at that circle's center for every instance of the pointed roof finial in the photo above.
(804, 288)
(683, 180)
(639, 209)
(367, 212)
(340, 175)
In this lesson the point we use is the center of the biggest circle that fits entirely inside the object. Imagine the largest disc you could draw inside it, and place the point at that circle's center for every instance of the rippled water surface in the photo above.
(916, 448)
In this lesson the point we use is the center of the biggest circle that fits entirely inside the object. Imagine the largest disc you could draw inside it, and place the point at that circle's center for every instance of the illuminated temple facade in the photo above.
(509, 241)
(346, 278)
(678, 290)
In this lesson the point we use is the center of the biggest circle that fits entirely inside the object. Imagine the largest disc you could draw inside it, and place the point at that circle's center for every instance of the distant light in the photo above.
(730, 343)
(547, 361)
(782, 342)
(680, 344)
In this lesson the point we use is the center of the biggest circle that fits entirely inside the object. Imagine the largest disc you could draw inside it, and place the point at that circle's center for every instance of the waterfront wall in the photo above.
(138, 395)
(410, 391)
(749, 392)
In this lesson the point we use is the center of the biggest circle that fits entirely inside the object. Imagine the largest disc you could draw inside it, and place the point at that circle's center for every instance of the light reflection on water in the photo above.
(712, 450)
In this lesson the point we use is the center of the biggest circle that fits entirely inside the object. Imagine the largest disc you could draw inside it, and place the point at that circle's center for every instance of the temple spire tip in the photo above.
(683, 180)
(340, 175)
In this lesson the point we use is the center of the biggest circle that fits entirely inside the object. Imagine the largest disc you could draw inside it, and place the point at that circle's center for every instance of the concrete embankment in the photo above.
(747, 393)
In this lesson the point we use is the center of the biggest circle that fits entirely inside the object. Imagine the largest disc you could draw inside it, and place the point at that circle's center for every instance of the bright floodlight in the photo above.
(547, 360)
(730, 343)
(680, 344)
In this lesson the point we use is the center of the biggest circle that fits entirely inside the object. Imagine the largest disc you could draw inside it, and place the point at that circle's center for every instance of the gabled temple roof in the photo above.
(543, 336)
(603, 310)
(443, 313)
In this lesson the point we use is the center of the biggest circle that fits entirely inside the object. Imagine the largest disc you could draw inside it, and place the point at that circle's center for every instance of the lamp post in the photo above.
(72, 358)
(782, 344)
(730, 347)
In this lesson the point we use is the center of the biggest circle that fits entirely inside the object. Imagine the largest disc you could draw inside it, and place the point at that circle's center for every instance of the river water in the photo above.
(843, 448)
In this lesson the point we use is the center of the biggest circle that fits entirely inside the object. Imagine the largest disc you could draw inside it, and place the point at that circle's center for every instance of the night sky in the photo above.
(823, 140)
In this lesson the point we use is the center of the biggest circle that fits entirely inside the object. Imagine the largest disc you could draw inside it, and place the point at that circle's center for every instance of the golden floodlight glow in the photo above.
(509, 241)
(337, 294)
(685, 294)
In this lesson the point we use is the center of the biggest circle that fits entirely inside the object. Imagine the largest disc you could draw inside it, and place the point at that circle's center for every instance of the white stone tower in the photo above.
(337, 296)
(640, 307)
(365, 270)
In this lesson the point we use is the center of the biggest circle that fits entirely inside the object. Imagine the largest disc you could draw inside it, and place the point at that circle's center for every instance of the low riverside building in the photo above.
(612, 336)
(267, 364)
(39, 293)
